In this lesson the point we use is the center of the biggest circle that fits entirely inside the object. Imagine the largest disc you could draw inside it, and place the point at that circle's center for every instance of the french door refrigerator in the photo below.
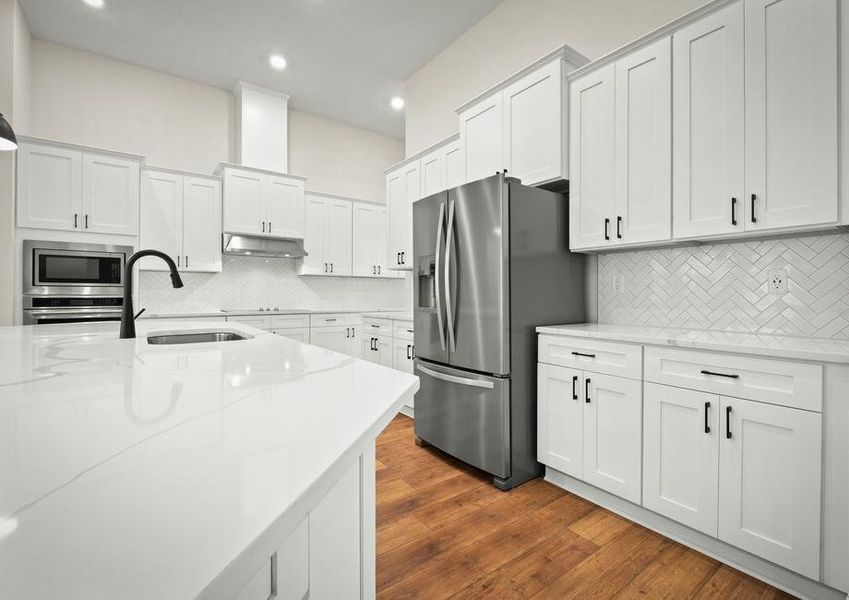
(491, 263)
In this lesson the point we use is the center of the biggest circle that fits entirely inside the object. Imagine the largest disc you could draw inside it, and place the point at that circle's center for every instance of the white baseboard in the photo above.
(743, 561)
(407, 411)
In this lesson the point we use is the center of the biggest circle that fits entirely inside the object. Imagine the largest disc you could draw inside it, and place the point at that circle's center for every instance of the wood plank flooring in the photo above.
(444, 532)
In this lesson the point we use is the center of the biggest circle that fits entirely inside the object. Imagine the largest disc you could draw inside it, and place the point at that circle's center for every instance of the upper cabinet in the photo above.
(370, 226)
(520, 127)
(749, 142)
(258, 202)
(403, 187)
(181, 216)
(77, 189)
(327, 236)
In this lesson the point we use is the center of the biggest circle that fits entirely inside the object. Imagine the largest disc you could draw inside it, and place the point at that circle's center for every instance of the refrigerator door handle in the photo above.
(454, 379)
(439, 323)
(449, 319)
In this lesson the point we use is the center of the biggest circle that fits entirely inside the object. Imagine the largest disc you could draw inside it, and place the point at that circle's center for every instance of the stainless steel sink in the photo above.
(198, 337)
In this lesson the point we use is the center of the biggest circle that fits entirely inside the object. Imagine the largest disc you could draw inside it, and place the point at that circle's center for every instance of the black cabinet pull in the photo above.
(263, 226)
(178, 260)
(269, 227)
(606, 228)
(733, 211)
(412, 351)
(86, 221)
(587, 390)
(325, 267)
(728, 422)
(353, 332)
(187, 261)
(408, 351)
(583, 354)
(75, 220)
(754, 218)
(619, 228)
(375, 326)
(331, 267)
(707, 424)
(378, 269)
(728, 375)
(398, 258)
(574, 387)
(347, 332)
(403, 258)
(373, 270)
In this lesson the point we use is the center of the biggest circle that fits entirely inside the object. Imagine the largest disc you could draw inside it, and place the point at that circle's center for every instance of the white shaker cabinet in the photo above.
(327, 236)
(432, 169)
(708, 99)
(534, 132)
(403, 187)
(643, 145)
(560, 432)
(403, 353)
(258, 202)
(791, 112)
(591, 156)
(377, 348)
(770, 477)
(181, 216)
(455, 158)
(72, 188)
(681, 455)
(482, 137)
(370, 224)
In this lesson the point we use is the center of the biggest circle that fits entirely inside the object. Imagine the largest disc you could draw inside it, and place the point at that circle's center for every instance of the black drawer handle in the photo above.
(728, 422)
(574, 387)
(754, 218)
(583, 354)
(707, 423)
(619, 228)
(375, 326)
(728, 375)
(733, 211)
(606, 229)
(587, 390)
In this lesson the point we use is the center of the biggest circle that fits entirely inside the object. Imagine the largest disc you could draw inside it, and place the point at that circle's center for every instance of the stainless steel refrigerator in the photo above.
(491, 262)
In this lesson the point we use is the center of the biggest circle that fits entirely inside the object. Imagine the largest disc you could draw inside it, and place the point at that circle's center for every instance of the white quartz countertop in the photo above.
(816, 349)
(398, 315)
(271, 313)
(136, 471)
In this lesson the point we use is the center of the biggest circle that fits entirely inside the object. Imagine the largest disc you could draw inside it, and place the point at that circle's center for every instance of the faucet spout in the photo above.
(128, 322)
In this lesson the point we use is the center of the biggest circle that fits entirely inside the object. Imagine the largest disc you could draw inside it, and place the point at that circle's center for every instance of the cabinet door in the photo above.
(396, 200)
(560, 422)
(708, 106)
(381, 245)
(284, 207)
(613, 432)
(383, 351)
(315, 228)
(533, 125)
(110, 202)
(365, 245)
(432, 168)
(482, 138)
(338, 240)
(201, 225)
(681, 455)
(591, 155)
(353, 346)
(770, 469)
(334, 547)
(332, 338)
(791, 113)
(368, 349)
(161, 215)
(412, 191)
(49, 187)
(455, 165)
(244, 205)
(402, 355)
(643, 132)
(299, 334)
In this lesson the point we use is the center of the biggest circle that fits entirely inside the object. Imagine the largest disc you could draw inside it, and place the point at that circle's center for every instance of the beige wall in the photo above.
(340, 159)
(513, 35)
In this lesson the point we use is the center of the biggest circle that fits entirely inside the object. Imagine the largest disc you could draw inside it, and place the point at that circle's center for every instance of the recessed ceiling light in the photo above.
(397, 103)
(94, 3)
(277, 62)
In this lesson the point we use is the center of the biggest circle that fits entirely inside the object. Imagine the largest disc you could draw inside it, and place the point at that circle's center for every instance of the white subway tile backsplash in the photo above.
(724, 286)
(253, 282)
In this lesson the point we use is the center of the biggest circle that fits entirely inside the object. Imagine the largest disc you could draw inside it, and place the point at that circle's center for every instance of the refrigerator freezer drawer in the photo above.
(466, 415)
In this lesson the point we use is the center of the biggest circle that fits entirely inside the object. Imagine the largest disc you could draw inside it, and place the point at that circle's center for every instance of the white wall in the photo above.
(340, 159)
(513, 35)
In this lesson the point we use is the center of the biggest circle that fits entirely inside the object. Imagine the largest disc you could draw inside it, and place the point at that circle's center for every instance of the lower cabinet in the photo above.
(746, 472)
(590, 427)
(377, 349)
(343, 339)
(403, 353)
(299, 334)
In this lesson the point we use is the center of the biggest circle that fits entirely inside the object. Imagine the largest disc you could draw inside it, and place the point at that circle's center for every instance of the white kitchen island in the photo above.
(238, 469)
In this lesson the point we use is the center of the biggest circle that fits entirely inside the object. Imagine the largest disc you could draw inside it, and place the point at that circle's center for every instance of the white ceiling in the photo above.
(347, 58)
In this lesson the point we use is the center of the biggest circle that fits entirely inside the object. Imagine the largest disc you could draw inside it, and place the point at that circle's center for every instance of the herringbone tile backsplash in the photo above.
(724, 286)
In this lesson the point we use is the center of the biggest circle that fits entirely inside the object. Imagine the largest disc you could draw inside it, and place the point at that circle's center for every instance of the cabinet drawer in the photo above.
(403, 330)
(290, 321)
(377, 326)
(624, 360)
(793, 384)
(335, 319)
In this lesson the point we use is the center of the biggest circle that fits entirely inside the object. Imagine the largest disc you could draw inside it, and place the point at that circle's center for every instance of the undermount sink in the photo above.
(198, 337)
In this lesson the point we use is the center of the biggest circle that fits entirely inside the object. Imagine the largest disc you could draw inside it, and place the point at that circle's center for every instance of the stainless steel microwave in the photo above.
(66, 268)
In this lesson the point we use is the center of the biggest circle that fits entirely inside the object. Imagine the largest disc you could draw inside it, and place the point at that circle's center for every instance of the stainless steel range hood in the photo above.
(248, 245)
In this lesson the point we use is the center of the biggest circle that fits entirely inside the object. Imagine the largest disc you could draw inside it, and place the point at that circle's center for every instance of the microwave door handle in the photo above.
(440, 222)
(449, 239)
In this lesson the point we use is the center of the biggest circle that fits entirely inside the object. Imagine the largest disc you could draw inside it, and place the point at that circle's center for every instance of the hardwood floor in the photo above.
(444, 532)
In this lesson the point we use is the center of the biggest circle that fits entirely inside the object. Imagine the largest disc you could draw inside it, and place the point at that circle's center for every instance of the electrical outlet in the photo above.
(617, 283)
(777, 281)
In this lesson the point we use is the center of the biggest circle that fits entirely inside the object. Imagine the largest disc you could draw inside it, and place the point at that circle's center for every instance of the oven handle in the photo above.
(74, 314)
